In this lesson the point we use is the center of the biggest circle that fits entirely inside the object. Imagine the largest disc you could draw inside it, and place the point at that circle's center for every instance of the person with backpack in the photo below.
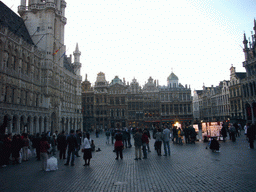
(232, 132)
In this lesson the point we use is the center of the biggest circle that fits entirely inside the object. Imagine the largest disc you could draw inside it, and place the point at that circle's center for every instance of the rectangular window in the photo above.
(122, 100)
(181, 109)
(189, 108)
(163, 108)
(176, 109)
(171, 109)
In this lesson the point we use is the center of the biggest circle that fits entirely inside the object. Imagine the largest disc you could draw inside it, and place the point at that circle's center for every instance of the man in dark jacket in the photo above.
(72, 145)
(62, 145)
(78, 138)
(36, 143)
(138, 144)
(251, 135)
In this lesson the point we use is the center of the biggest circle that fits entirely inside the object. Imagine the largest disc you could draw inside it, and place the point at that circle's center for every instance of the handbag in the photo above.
(83, 150)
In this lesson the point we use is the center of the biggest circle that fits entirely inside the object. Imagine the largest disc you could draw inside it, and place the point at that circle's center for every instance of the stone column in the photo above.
(37, 125)
(18, 125)
(9, 127)
(31, 126)
(42, 125)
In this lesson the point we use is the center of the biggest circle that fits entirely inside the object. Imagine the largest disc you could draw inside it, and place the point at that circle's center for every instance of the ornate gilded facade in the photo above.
(123, 104)
(40, 86)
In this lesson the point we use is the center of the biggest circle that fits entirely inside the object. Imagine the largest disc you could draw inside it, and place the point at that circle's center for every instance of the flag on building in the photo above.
(55, 52)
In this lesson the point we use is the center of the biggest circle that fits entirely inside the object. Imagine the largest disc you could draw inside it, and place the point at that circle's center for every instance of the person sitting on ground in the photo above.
(214, 146)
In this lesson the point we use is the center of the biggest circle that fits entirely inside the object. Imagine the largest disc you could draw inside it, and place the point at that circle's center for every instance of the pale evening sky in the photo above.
(198, 39)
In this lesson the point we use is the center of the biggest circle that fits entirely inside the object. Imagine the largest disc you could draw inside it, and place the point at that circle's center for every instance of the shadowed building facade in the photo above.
(40, 86)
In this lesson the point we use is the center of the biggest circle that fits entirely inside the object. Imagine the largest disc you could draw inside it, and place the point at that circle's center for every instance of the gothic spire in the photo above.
(77, 49)
(245, 42)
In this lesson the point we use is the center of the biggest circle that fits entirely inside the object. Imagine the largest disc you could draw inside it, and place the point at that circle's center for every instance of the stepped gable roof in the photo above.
(241, 75)
(14, 23)
(172, 76)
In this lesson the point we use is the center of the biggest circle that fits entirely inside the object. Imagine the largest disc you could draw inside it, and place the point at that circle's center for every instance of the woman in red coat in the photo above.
(44, 146)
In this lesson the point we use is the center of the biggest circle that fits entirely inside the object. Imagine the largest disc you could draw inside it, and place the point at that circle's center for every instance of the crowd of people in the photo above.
(15, 149)
(19, 148)
(141, 137)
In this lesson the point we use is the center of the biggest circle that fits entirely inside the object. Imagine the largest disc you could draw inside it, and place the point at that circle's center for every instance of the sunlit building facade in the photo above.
(124, 104)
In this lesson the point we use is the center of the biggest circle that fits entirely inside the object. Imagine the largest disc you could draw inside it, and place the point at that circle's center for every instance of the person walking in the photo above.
(87, 149)
(36, 142)
(224, 132)
(119, 145)
(72, 145)
(149, 137)
(138, 144)
(79, 140)
(128, 132)
(232, 132)
(158, 141)
(62, 145)
(175, 135)
(53, 143)
(107, 136)
(187, 134)
(125, 137)
(166, 141)
(145, 142)
(112, 131)
(16, 146)
(251, 135)
(44, 146)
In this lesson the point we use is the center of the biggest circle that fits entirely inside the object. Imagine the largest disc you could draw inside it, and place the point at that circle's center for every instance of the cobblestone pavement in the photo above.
(189, 168)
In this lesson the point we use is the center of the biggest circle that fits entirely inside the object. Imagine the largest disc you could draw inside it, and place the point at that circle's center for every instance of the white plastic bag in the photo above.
(20, 158)
(52, 164)
(29, 153)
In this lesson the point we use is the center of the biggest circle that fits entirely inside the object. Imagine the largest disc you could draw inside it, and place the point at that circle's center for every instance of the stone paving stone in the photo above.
(189, 168)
